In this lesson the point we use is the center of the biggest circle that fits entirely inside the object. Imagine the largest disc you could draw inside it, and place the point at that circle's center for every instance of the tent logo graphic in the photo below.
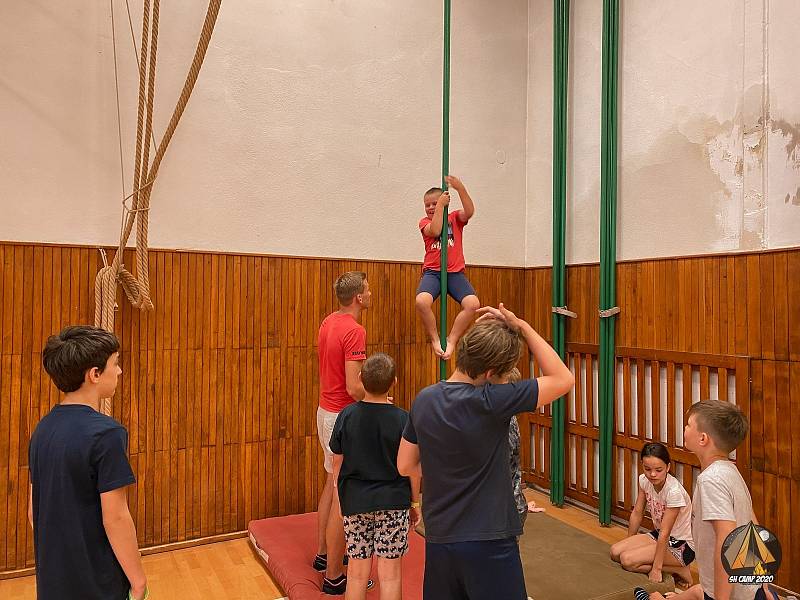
(751, 554)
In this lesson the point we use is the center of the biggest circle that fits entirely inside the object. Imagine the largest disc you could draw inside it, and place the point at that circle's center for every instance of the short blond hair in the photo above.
(723, 422)
(348, 286)
(489, 346)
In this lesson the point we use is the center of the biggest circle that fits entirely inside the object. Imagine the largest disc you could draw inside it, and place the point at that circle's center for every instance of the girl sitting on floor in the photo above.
(669, 547)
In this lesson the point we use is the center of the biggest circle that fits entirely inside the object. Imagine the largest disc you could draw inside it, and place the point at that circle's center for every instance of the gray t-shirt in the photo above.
(719, 495)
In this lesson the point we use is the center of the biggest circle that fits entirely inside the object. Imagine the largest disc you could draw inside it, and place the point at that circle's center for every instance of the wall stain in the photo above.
(792, 135)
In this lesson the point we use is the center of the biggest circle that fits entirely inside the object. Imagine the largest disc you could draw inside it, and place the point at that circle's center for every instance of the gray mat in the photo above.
(564, 563)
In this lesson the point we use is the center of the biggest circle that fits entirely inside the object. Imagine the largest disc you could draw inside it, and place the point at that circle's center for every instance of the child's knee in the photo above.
(470, 303)
(424, 301)
(614, 553)
(627, 561)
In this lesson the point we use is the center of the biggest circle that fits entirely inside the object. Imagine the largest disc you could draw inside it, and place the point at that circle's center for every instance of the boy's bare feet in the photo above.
(683, 579)
(437, 348)
(448, 352)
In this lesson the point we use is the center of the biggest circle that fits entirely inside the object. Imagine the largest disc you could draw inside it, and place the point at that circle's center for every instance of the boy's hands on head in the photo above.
(500, 314)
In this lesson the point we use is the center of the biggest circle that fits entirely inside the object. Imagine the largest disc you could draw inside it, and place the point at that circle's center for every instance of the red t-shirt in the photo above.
(341, 338)
(433, 245)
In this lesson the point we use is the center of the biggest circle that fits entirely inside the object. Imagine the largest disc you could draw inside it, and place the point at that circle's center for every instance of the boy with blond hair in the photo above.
(457, 438)
(342, 347)
(721, 501)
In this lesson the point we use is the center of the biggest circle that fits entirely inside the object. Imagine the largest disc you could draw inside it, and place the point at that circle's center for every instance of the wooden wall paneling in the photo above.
(219, 388)
(754, 291)
(783, 426)
(780, 304)
(766, 271)
(770, 418)
(794, 419)
(793, 304)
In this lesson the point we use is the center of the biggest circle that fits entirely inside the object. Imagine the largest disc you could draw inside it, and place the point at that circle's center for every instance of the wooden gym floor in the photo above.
(232, 571)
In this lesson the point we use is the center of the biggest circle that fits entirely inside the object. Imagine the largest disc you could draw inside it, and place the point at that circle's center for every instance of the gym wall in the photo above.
(314, 128)
(709, 129)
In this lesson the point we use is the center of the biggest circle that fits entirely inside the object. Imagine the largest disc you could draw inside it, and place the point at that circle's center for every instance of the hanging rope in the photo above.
(137, 289)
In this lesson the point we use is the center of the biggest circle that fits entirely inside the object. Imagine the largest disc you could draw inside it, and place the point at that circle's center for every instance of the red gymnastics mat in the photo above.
(287, 545)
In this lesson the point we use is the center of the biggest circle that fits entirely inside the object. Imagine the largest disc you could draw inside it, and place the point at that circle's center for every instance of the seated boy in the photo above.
(376, 500)
(457, 438)
(721, 501)
(83, 535)
(458, 286)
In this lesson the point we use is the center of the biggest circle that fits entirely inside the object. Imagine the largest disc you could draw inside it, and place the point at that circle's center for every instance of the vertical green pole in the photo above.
(559, 296)
(445, 172)
(608, 251)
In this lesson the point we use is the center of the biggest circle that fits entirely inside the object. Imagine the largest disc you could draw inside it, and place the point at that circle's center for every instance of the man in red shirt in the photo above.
(342, 350)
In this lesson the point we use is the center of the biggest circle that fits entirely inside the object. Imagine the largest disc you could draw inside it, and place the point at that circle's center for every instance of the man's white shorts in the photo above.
(325, 422)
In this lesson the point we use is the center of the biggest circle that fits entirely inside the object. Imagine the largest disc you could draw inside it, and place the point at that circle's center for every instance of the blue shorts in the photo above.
(458, 286)
(487, 570)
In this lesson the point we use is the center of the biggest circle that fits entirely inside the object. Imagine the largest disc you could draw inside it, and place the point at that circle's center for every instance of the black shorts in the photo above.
(487, 570)
(680, 549)
(458, 286)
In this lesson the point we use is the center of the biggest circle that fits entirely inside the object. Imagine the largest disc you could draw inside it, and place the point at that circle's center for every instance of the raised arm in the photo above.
(434, 228)
(556, 379)
(467, 205)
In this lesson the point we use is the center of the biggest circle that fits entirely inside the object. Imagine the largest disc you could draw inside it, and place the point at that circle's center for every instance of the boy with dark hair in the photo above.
(721, 501)
(458, 286)
(84, 537)
(374, 497)
(457, 438)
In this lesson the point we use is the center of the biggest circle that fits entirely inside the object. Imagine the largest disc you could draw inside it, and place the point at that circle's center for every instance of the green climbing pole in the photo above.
(445, 173)
(608, 252)
(559, 283)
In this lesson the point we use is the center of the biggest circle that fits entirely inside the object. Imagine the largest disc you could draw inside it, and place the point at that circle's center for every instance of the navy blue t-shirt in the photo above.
(76, 454)
(368, 435)
(462, 434)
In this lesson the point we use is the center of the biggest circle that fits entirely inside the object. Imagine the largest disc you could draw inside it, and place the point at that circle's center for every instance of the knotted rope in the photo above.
(137, 289)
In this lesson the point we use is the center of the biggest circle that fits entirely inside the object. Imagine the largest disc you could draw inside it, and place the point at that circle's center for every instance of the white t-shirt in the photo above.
(672, 495)
(719, 495)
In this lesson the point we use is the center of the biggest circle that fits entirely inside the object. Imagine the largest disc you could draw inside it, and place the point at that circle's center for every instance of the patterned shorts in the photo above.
(383, 533)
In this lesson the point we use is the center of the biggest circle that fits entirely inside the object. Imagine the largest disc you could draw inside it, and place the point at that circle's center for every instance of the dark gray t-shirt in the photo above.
(462, 433)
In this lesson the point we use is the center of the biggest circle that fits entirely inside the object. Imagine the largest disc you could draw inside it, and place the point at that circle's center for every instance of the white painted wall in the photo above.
(314, 128)
(707, 162)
